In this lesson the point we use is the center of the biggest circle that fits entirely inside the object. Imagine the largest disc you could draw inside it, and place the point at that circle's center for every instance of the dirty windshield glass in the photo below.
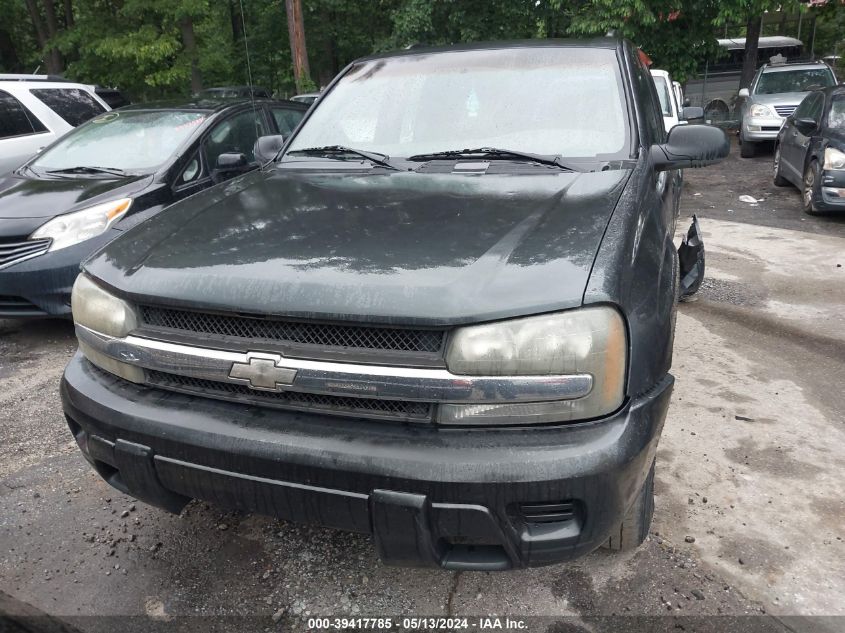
(793, 81)
(551, 101)
(130, 141)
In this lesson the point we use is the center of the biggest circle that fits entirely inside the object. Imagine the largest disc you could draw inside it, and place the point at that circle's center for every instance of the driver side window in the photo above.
(235, 134)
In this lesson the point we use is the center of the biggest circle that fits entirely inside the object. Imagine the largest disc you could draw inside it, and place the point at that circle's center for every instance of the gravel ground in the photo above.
(748, 530)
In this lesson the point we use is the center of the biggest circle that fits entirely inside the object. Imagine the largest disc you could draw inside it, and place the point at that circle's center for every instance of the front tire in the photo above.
(809, 192)
(779, 180)
(633, 530)
(747, 149)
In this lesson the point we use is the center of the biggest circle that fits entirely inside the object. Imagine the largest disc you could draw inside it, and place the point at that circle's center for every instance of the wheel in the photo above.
(809, 191)
(631, 533)
(779, 180)
(747, 149)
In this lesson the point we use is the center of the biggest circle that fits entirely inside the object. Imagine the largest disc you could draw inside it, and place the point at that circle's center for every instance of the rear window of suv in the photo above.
(16, 119)
(72, 104)
(804, 80)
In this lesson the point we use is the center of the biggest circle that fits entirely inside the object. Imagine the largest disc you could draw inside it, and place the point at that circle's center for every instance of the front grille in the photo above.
(317, 403)
(256, 328)
(18, 306)
(785, 111)
(12, 250)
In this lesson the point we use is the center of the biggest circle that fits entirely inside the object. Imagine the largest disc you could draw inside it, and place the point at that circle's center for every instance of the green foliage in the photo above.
(678, 35)
(139, 45)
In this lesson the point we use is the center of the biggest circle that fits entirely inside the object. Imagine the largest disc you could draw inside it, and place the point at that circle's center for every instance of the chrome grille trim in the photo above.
(338, 379)
(396, 410)
(13, 252)
(785, 111)
(256, 328)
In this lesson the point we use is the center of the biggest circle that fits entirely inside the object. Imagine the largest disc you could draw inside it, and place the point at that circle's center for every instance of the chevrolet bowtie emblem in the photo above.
(262, 372)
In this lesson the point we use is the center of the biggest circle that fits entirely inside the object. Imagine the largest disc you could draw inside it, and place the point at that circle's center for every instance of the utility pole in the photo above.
(296, 31)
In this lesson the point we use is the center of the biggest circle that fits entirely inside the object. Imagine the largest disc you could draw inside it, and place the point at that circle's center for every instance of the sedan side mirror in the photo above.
(744, 92)
(231, 160)
(229, 165)
(805, 125)
(689, 113)
(267, 147)
(690, 146)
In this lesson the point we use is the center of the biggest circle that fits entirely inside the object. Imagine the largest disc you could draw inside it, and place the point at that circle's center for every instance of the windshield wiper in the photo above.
(495, 153)
(86, 169)
(337, 151)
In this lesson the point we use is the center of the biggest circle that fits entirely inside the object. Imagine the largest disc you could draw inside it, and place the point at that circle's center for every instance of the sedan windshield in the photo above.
(547, 101)
(794, 81)
(130, 142)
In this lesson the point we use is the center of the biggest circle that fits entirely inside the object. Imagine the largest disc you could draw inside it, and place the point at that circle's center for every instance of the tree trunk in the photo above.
(38, 25)
(752, 39)
(189, 41)
(9, 58)
(55, 64)
(299, 54)
(68, 4)
(237, 24)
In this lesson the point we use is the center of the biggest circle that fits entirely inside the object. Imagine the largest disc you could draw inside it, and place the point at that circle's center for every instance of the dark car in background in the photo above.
(444, 316)
(109, 174)
(810, 151)
(234, 92)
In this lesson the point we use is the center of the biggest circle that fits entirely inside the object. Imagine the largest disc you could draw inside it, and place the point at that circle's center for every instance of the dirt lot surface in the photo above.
(750, 493)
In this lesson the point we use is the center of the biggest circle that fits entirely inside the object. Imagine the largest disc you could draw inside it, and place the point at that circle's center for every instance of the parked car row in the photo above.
(111, 173)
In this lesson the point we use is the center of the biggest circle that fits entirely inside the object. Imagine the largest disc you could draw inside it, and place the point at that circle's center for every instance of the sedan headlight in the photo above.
(834, 159)
(587, 341)
(72, 228)
(100, 311)
(758, 109)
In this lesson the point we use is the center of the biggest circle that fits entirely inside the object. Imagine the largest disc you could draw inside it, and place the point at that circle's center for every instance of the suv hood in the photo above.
(397, 247)
(781, 98)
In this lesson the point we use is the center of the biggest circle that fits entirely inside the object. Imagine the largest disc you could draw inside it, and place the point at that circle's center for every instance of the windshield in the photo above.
(551, 101)
(836, 118)
(794, 81)
(663, 93)
(129, 141)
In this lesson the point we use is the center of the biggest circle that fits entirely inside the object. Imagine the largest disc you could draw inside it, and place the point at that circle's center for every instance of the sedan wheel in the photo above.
(808, 193)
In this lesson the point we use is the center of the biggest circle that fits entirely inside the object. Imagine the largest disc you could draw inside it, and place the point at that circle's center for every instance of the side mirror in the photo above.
(689, 113)
(690, 146)
(229, 165)
(230, 161)
(805, 125)
(267, 147)
(744, 93)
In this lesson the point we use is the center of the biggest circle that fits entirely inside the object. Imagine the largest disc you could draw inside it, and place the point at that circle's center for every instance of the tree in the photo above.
(750, 13)
(676, 34)
(298, 50)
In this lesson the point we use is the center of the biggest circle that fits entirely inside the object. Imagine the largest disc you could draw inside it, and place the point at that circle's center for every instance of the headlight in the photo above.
(98, 310)
(70, 229)
(758, 109)
(834, 159)
(586, 341)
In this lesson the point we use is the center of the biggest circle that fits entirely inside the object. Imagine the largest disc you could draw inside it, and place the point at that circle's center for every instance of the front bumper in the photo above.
(454, 498)
(761, 128)
(40, 287)
(832, 191)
